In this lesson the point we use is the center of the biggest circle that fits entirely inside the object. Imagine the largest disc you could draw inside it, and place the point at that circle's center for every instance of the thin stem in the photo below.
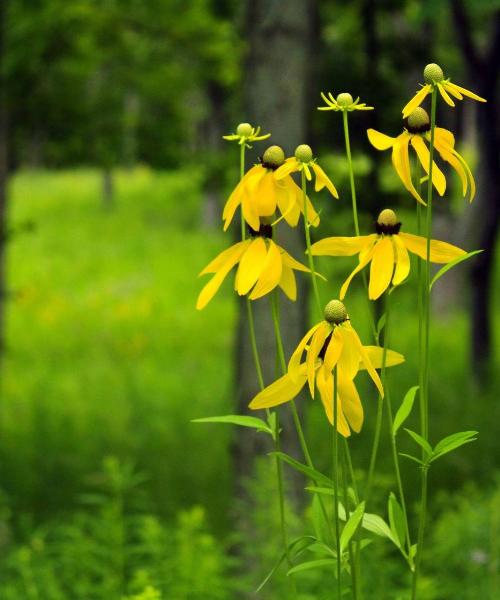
(336, 483)
(424, 365)
(353, 548)
(253, 342)
(242, 172)
(308, 245)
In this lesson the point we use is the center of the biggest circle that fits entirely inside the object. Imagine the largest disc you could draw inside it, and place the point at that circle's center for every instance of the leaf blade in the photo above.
(405, 409)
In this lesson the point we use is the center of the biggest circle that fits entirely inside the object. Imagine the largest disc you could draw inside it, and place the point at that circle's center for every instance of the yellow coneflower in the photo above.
(263, 265)
(434, 76)
(245, 134)
(416, 133)
(344, 102)
(387, 250)
(332, 343)
(259, 193)
(304, 161)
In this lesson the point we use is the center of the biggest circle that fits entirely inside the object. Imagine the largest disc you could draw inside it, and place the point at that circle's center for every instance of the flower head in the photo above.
(344, 102)
(304, 161)
(415, 134)
(387, 250)
(245, 134)
(434, 77)
(332, 343)
(263, 265)
(260, 193)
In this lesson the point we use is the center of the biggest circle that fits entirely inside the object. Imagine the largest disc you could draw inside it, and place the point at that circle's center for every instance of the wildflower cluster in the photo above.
(331, 354)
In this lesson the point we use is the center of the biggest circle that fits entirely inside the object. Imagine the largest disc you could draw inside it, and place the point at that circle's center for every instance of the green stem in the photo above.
(336, 484)
(424, 365)
(353, 548)
(242, 172)
(308, 245)
(253, 343)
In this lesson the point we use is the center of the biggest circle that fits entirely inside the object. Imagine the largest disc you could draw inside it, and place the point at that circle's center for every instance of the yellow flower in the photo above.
(263, 265)
(329, 344)
(416, 132)
(303, 161)
(259, 193)
(434, 76)
(245, 133)
(344, 102)
(388, 252)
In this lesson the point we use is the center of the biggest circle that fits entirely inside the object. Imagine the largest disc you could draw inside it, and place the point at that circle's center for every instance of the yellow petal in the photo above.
(289, 166)
(367, 362)
(334, 350)
(231, 205)
(317, 341)
(440, 133)
(351, 403)
(251, 265)
(401, 162)
(288, 283)
(464, 91)
(402, 268)
(289, 209)
(349, 358)
(281, 391)
(271, 273)
(312, 215)
(292, 263)
(341, 246)
(208, 292)
(324, 381)
(265, 196)
(379, 140)
(323, 180)
(451, 156)
(375, 354)
(250, 212)
(364, 258)
(438, 178)
(455, 93)
(294, 363)
(440, 252)
(226, 255)
(417, 100)
(381, 268)
(444, 95)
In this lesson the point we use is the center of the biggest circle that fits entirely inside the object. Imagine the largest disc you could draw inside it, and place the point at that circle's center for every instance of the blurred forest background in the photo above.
(113, 173)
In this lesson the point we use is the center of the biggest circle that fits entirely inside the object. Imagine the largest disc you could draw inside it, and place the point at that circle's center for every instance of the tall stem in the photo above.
(424, 364)
(308, 245)
(336, 483)
(353, 548)
(242, 173)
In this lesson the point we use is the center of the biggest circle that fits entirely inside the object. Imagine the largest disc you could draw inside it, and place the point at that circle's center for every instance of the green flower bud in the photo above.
(244, 129)
(419, 119)
(433, 72)
(273, 157)
(303, 153)
(344, 99)
(335, 312)
(387, 217)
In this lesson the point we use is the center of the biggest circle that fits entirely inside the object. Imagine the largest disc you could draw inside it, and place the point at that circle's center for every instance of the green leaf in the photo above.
(424, 444)
(378, 526)
(312, 564)
(405, 409)
(380, 325)
(351, 526)
(417, 460)
(451, 264)
(320, 490)
(452, 442)
(322, 548)
(309, 471)
(241, 420)
(397, 520)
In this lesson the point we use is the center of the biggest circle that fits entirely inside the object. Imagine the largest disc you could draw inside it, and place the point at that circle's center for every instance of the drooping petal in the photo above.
(350, 401)
(364, 258)
(287, 282)
(232, 204)
(282, 390)
(250, 213)
(292, 263)
(438, 178)
(440, 252)
(324, 381)
(455, 93)
(440, 133)
(376, 354)
(317, 341)
(323, 180)
(342, 246)
(381, 268)
(401, 162)
(251, 265)
(402, 268)
(289, 166)
(451, 156)
(215, 264)
(349, 358)
(379, 140)
(312, 215)
(265, 195)
(417, 100)
(271, 273)
(444, 95)
(464, 91)
(295, 359)
(210, 289)
(290, 212)
(367, 362)
(334, 350)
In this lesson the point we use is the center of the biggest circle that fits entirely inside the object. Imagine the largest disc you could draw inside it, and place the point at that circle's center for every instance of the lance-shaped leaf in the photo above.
(452, 442)
(451, 264)
(351, 526)
(309, 471)
(405, 409)
(241, 420)
(423, 443)
(397, 520)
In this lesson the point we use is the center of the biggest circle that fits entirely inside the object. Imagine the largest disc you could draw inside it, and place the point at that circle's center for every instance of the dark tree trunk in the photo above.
(3, 167)
(483, 217)
(280, 52)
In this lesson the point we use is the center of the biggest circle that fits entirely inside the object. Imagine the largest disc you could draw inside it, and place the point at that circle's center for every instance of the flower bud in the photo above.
(344, 99)
(418, 119)
(387, 217)
(273, 157)
(433, 73)
(303, 153)
(335, 312)
(244, 129)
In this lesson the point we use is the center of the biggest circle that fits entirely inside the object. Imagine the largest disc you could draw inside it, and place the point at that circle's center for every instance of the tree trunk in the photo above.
(280, 51)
